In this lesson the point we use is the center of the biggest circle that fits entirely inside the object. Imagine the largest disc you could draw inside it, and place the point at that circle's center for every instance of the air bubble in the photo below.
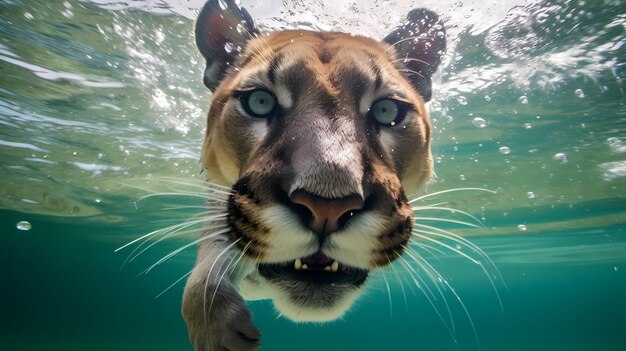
(462, 100)
(522, 227)
(436, 106)
(28, 15)
(240, 28)
(531, 195)
(223, 4)
(579, 93)
(527, 125)
(23, 225)
(505, 150)
(523, 99)
(560, 157)
(479, 122)
(228, 47)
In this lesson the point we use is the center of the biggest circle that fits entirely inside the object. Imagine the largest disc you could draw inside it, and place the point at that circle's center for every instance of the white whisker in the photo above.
(389, 295)
(452, 210)
(173, 253)
(427, 248)
(217, 286)
(464, 242)
(442, 233)
(168, 232)
(174, 283)
(182, 194)
(156, 232)
(207, 313)
(428, 294)
(440, 279)
(406, 305)
(435, 219)
(198, 207)
(448, 191)
(170, 235)
(453, 249)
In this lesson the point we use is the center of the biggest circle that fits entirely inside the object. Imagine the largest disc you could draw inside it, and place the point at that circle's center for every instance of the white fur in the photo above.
(366, 102)
(298, 313)
(388, 141)
(288, 239)
(355, 244)
(284, 96)
(259, 129)
(255, 287)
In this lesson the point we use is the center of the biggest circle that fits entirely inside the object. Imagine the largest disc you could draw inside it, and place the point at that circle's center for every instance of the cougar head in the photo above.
(319, 135)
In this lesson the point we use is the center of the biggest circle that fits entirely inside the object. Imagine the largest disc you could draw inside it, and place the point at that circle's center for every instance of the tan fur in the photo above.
(219, 155)
(322, 140)
(328, 63)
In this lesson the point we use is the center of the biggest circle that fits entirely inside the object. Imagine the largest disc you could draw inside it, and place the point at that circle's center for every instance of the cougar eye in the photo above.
(387, 112)
(258, 102)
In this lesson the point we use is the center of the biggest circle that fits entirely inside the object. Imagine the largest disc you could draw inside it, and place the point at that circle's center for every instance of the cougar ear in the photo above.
(222, 29)
(420, 42)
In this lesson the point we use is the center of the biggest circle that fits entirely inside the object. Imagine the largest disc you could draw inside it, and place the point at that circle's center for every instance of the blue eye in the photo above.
(258, 103)
(385, 111)
(388, 112)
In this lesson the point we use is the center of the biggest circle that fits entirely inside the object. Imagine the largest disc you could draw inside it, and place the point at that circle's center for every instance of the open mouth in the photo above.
(316, 268)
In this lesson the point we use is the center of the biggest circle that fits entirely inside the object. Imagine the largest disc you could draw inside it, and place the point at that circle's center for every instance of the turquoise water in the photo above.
(101, 104)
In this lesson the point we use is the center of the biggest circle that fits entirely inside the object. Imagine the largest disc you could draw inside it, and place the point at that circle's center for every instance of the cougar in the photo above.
(313, 140)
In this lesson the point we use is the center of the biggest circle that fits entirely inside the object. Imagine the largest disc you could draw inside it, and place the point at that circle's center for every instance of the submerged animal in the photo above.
(313, 140)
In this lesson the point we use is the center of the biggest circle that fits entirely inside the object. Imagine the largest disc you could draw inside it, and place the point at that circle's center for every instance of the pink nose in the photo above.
(326, 213)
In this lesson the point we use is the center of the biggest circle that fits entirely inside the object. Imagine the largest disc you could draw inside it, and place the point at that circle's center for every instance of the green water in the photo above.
(101, 103)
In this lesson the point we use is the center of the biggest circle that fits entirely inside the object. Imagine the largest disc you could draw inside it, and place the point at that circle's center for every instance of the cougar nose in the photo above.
(326, 214)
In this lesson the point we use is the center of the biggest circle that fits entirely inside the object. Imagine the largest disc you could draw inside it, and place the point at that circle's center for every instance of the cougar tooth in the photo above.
(297, 264)
(327, 268)
(335, 266)
(305, 267)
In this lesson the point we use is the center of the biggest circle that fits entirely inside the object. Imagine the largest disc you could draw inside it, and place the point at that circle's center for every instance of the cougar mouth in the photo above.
(317, 269)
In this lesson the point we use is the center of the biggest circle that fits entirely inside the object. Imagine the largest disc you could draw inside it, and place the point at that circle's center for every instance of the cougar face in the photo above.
(319, 136)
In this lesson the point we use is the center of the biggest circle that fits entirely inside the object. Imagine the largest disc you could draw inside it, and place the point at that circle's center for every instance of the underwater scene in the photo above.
(102, 115)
